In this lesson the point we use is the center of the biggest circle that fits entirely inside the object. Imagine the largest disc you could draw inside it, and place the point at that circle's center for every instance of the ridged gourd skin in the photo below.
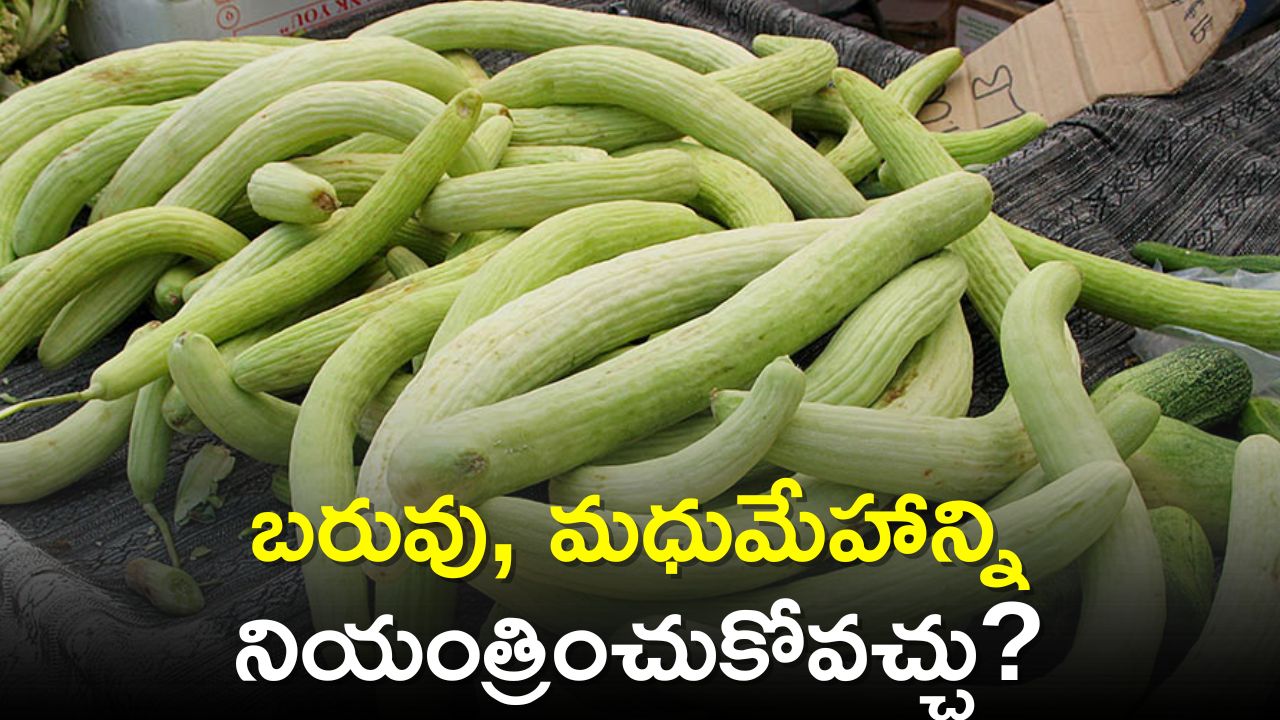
(701, 108)
(995, 268)
(1199, 384)
(71, 180)
(21, 169)
(533, 28)
(311, 270)
(1184, 466)
(178, 144)
(671, 377)
(703, 469)
(42, 464)
(132, 77)
(1121, 575)
(1146, 299)
(291, 357)
(1237, 650)
(771, 84)
(32, 299)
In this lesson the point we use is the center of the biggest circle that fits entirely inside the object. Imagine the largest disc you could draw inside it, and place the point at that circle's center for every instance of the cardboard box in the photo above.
(1061, 58)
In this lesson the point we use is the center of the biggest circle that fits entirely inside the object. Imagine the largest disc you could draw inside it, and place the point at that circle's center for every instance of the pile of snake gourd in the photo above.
(402, 278)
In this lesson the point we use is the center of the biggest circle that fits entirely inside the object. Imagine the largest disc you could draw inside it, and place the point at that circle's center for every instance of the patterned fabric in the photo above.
(1197, 169)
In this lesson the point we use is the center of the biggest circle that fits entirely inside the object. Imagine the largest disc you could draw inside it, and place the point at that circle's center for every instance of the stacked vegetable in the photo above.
(589, 269)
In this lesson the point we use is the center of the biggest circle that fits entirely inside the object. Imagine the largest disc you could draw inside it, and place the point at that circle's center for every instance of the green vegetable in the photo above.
(1186, 467)
(148, 460)
(771, 84)
(291, 357)
(994, 266)
(44, 463)
(1261, 416)
(702, 108)
(1201, 384)
(1188, 576)
(936, 378)
(566, 242)
(704, 469)
(204, 122)
(518, 155)
(401, 262)
(308, 272)
(1172, 258)
(525, 196)
(670, 377)
(75, 176)
(25, 25)
(132, 77)
(167, 296)
(1129, 420)
(169, 589)
(980, 147)
(1123, 611)
(862, 357)
(285, 193)
(1239, 648)
(20, 170)
(534, 28)
(32, 299)
(1148, 299)
(857, 155)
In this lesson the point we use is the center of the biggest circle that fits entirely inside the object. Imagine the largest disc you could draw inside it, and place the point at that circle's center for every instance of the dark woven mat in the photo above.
(1198, 169)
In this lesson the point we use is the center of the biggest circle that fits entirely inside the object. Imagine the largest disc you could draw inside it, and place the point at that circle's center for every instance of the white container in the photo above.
(99, 27)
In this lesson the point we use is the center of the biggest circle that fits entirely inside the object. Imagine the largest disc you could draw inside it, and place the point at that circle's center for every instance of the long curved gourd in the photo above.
(857, 364)
(21, 169)
(1237, 649)
(296, 121)
(771, 84)
(632, 295)
(561, 244)
(936, 378)
(525, 196)
(1139, 296)
(980, 147)
(994, 266)
(704, 469)
(893, 452)
(856, 155)
(866, 351)
(1123, 610)
(94, 313)
(132, 77)
(32, 299)
(688, 102)
(71, 180)
(1128, 419)
(671, 377)
(532, 28)
(290, 358)
(728, 190)
(178, 144)
(44, 463)
(308, 272)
